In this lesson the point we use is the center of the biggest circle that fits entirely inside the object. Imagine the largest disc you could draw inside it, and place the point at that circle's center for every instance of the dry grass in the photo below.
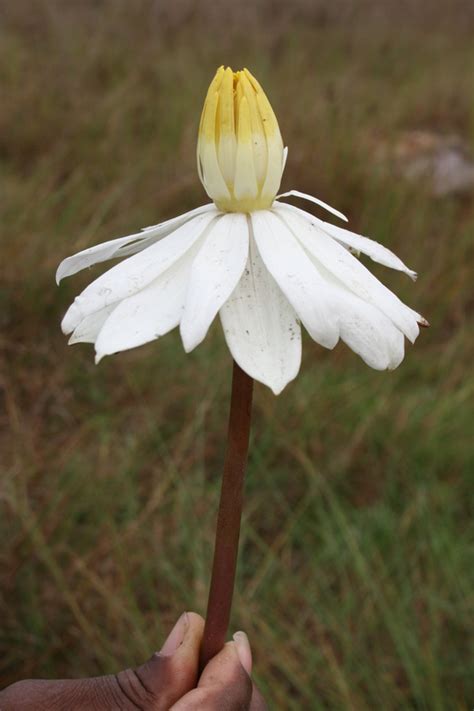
(356, 574)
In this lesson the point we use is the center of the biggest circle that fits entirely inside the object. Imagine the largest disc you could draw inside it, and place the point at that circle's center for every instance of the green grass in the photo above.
(357, 569)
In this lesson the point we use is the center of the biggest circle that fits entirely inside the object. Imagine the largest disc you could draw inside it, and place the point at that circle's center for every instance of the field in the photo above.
(356, 573)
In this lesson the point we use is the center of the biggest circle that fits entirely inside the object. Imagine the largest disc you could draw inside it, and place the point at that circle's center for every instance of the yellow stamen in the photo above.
(240, 149)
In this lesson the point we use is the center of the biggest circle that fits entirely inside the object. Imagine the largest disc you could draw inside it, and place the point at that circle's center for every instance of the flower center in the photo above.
(240, 151)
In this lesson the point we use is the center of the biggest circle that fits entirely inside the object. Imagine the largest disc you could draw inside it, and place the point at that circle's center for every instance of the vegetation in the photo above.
(356, 571)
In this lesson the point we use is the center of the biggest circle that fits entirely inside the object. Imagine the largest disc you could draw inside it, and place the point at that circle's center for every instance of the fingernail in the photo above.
(242, 645)
(176, 636)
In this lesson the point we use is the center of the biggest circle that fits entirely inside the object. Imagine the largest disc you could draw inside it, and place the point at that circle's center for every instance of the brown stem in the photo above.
(228, 519)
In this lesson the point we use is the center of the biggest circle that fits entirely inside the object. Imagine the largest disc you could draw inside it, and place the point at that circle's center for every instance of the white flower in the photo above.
(263, 265)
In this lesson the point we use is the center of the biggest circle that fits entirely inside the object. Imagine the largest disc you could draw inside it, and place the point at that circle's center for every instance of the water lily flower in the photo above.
(264, 266)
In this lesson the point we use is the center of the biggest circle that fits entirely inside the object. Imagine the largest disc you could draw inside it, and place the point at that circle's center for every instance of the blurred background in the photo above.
(356, 572)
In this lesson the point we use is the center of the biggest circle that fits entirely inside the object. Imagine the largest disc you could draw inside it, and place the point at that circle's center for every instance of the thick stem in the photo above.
(228, 519)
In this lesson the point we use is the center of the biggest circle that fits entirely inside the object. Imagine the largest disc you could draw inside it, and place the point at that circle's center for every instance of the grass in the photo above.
(356, 570)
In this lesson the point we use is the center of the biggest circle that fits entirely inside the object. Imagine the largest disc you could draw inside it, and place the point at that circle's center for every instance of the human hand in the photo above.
(168, 681)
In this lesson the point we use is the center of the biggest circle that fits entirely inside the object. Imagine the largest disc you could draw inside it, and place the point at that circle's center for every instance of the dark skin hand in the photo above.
(168, 681)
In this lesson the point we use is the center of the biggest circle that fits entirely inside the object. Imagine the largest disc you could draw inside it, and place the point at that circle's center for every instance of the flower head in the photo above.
(264, 266)
(240, 152)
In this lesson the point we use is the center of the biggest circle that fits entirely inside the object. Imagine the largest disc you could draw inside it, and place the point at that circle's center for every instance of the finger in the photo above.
(242, 646)
(169, 674)
(224, 685)
(257, 702)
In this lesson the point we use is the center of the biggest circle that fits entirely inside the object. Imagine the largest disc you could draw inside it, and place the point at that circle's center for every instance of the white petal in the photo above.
(136, 272)
(305, 196)
(369, 333)
(124, 246)
(89, 328)
(357, 244)
(297, 277)
(348, 270)
(151, 313)
(366, 330)
(181, 219)
(261, 328)
(214, 276)
(372, 249)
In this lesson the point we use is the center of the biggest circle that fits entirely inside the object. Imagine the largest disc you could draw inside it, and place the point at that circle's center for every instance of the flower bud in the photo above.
(240, 152)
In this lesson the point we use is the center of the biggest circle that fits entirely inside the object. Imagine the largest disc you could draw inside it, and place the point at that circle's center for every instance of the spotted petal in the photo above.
(261, 328)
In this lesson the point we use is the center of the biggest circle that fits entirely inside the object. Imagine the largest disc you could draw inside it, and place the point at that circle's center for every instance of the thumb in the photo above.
(170, 673)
